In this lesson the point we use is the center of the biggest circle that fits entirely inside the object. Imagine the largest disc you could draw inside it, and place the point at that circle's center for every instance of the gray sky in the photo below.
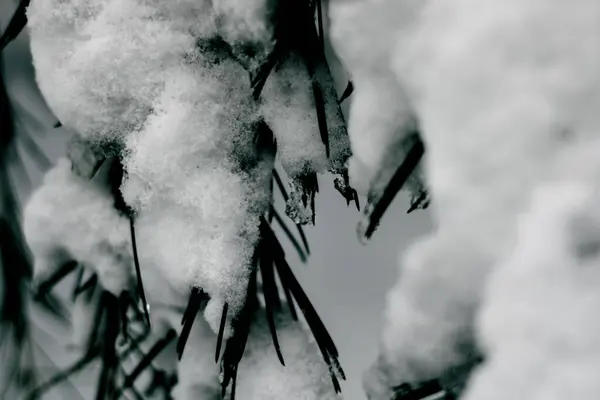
(346, 281)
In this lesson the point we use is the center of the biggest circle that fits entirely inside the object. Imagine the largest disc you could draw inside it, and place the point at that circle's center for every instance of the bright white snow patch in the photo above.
(152, 77)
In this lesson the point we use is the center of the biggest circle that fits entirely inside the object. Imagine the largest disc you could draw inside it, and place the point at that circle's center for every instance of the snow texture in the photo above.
(248, 27)
(69, 218)
(289, 109)
(154, 78)
(493, 126)
(99, 63)
(198, 210)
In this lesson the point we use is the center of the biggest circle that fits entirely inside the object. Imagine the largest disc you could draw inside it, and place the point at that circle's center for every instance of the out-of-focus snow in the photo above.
(541, 302)
(500, 90)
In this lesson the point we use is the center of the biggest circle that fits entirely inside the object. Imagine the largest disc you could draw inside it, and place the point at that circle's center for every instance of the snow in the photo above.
(493, 126)
(380, 112)
(106, 58)
(67, 218)
(288, 107)
(538, 320)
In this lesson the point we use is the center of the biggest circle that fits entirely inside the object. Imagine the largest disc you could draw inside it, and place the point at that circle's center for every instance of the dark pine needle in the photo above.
(280, 185)
(324, 340)
(321, 115)
(221, 331)
(92, 282)
(194, 304)
(16, 24)
(138, 272)
(375, 213)
(146, 361)
(236, 344)
(77, 283)
(347, 92)
(65, 269)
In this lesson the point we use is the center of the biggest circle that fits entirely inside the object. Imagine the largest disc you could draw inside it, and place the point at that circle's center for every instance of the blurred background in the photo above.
(347, 282)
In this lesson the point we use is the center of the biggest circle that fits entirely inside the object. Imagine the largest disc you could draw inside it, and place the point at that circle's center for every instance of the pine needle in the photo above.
(271, 295)
(280, 185)
(107, 381)
(146, 361)
(91, 283)
(289, 234)
(78, 281)
(422, 391)
(197, 297)
(138, 273)
(221, 331)
(379, 202)
(419, 203)
(347, 92)
(16, 24)
(35, 152)
(236, 344)
(322, 337)
(62, 271)
(79, 365)
(321, 115)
